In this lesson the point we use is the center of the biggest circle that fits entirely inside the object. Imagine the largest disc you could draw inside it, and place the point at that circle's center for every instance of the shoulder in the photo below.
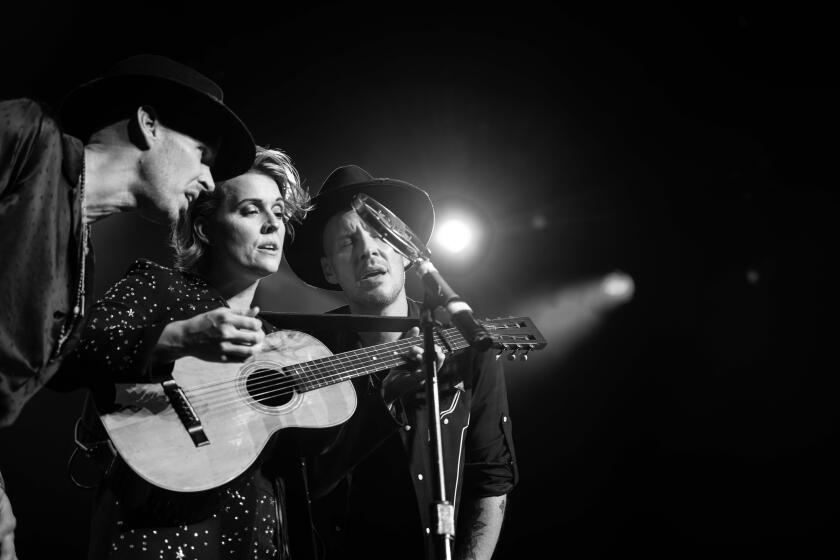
(146, 267)
(21, 110)
(144, 273)
(179, 282)
(26, 117)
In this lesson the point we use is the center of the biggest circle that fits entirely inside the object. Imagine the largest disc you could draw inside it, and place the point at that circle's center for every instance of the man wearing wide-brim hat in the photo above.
(373, 486)
(149, 136)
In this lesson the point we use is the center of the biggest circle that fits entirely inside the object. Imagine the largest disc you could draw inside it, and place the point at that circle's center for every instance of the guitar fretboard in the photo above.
(333, 369)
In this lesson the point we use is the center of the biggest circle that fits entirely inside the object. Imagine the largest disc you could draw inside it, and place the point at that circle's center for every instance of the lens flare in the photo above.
(454, 236)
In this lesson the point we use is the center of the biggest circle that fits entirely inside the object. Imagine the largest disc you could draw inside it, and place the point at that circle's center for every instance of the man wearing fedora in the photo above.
(148, 136)
(373, 485)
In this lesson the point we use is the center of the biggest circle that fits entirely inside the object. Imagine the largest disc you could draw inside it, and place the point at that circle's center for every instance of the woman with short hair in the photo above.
(224, 245)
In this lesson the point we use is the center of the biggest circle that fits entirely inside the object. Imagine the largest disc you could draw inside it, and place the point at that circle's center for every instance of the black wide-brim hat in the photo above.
(187, 101)
(411, 204)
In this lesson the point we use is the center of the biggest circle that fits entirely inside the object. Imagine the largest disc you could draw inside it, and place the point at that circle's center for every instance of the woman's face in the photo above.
(246, 233)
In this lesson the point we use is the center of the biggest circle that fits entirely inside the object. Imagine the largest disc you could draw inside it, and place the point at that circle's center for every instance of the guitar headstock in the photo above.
(514, 336)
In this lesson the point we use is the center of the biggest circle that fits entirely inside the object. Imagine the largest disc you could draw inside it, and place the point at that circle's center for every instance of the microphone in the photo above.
(400, 237)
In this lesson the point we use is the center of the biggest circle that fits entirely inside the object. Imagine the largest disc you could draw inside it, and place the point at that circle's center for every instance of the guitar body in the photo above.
(151, 435)
(208, 423)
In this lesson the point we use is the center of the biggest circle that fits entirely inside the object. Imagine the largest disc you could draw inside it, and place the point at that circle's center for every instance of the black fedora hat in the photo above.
(411, 204)
(188, 102)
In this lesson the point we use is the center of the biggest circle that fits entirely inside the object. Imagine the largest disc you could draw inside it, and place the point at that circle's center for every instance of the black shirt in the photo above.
(374, 484)
(40, 251)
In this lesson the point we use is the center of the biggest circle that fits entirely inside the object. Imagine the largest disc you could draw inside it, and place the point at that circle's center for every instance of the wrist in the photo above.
(170, 345)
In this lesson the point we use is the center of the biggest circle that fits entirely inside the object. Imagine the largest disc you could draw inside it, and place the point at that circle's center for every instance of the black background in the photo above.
(693, 149)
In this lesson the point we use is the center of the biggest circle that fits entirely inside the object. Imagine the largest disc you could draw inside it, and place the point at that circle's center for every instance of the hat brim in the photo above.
(105, 100)
(411, 204)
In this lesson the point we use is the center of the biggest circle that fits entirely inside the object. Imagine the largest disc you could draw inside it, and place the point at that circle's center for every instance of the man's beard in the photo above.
(376, 299)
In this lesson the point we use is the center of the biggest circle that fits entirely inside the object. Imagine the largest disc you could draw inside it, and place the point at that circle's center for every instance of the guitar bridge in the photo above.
(186, 413)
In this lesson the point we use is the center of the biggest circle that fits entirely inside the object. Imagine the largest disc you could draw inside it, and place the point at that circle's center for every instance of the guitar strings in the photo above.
(323, 362)
(309, 375)
(305, 379)
(306, 376)
(288, 386)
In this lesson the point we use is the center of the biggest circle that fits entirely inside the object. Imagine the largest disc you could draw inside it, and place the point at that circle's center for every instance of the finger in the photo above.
(440, 357)
(251, 312)
(7, 517)
(7, 548)
(411, 333)
(237, 352)
(241, 321)
(229, 333)
(413, 354)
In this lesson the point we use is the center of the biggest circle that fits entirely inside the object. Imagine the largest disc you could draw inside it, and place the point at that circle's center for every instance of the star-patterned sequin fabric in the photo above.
(133, 520)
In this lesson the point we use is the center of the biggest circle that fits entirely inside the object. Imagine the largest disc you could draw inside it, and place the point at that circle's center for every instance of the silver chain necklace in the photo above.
(78, 308)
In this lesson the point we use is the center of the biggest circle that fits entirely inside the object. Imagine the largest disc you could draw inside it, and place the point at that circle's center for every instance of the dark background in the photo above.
(692, 149)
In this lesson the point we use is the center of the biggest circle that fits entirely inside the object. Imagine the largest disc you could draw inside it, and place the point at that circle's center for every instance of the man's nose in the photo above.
(206, 179)
(369, 245)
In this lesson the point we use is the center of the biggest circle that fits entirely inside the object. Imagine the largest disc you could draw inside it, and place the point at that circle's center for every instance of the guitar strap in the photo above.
(338, 322)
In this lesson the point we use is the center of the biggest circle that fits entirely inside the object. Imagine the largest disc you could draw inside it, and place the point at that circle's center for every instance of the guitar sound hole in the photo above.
(269, 387)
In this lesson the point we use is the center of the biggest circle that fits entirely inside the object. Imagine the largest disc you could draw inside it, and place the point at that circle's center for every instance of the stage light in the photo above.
(618, 285)
(569, 314)
(454, 236)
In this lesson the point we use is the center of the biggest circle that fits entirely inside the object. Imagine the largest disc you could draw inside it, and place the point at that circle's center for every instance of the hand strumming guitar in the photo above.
(219, 335)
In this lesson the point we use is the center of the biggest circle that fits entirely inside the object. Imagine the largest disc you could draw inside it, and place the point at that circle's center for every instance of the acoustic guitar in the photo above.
(208, 423)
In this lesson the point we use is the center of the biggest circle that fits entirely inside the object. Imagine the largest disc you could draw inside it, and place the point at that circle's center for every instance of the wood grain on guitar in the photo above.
(209, 423)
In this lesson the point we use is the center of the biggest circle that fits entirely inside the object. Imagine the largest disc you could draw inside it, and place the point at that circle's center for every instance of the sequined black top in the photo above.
(131, 518)
(40, 250)
(124, 326)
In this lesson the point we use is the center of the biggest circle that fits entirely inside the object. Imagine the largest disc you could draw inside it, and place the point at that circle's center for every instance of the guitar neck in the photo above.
(322, 372)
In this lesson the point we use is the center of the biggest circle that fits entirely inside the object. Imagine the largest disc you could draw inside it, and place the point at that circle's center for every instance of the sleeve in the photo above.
(122, 330)
(21, 121)
(490, 467)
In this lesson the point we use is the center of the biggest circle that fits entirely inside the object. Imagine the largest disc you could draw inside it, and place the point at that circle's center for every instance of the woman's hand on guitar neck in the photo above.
(220, 335)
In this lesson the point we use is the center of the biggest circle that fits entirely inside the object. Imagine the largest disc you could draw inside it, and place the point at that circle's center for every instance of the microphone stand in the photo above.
(439, 294)
(442, 510)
